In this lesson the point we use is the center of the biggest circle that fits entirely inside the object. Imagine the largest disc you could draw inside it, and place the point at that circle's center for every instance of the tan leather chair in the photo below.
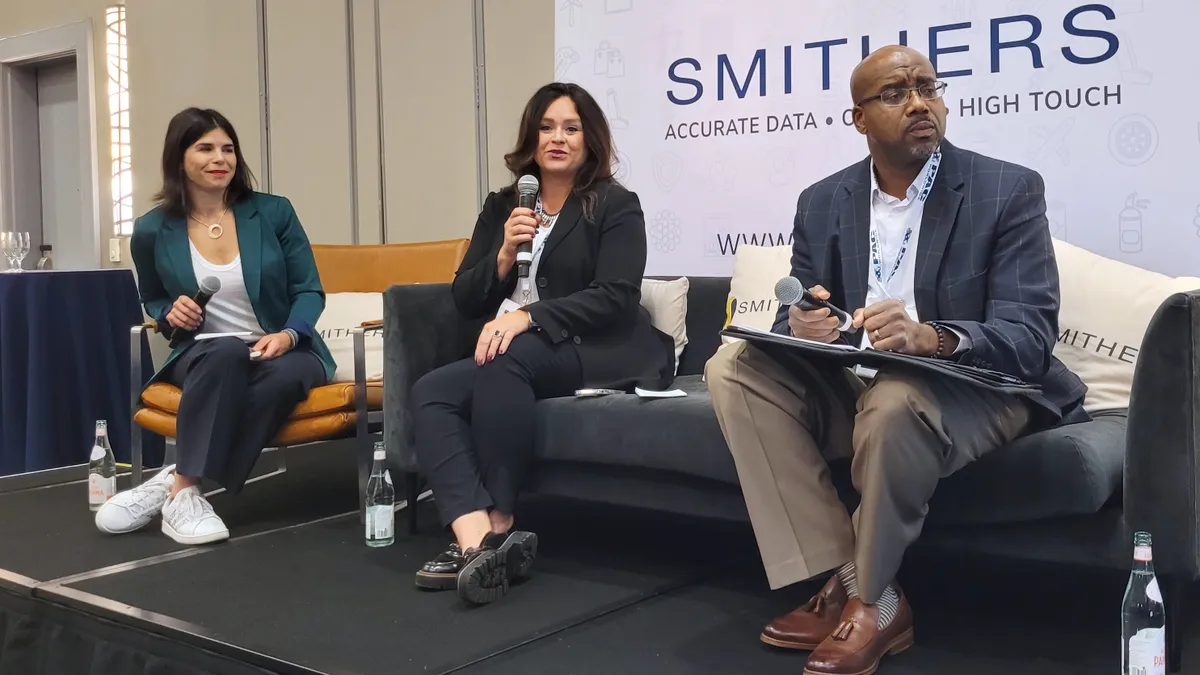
(334, 411)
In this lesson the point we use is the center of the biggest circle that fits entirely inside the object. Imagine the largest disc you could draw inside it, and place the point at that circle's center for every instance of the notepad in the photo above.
(650, 393)
(237, 334)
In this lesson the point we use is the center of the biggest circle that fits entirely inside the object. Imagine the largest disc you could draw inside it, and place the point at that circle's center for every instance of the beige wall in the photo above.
(215, 66)
(22, 16)
(372, 104)
(515, 69)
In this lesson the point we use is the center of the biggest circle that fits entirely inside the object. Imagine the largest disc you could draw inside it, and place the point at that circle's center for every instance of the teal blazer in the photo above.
(277, 264)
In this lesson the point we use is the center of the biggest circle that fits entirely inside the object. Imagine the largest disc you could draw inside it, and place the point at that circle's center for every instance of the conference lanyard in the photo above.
(876, 255)
(539, 244)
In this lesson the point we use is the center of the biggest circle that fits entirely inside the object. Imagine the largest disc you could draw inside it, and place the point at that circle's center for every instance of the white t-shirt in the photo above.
(229, 310)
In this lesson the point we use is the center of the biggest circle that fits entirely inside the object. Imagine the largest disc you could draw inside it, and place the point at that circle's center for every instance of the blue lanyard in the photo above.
(876, 255)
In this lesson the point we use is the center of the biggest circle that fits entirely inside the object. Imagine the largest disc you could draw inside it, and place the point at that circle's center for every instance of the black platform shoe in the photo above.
(489, 568)
(441, 573)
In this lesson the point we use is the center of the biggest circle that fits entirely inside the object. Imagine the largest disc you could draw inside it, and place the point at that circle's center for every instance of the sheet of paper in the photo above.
(648, 393)
(238, 334)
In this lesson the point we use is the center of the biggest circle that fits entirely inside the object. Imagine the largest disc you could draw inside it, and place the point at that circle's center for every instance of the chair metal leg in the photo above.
(170, 453)
(412, 492)
(135, 389)
(363, 446)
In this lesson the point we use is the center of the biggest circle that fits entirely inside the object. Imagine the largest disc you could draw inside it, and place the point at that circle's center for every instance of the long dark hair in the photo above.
(187, 127)
(596, 169)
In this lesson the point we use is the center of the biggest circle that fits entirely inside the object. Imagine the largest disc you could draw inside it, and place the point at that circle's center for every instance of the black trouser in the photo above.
(232, 407)
(473, 425)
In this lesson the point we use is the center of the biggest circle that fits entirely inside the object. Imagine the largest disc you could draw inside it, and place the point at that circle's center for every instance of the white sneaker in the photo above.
(189, 519)
(134, 509)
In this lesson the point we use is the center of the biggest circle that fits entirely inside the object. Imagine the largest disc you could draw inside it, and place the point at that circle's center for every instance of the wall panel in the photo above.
(309, 114)
(428, 109)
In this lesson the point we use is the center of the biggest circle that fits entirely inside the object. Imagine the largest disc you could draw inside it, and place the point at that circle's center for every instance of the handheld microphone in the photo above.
(789, 291)
(208, 288)
(527, 190)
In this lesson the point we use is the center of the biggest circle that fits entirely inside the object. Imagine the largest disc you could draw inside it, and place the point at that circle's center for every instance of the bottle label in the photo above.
(100, 489)
(1142, 554)
(1148, 652)
(380, 522)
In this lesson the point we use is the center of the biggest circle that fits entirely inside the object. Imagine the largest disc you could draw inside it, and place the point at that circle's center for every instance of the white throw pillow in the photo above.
(751, 300)
(1106, 308)
(343, 313)
(667, 303)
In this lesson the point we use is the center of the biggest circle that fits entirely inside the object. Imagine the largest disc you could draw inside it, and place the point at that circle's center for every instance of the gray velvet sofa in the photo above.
(1069, 495)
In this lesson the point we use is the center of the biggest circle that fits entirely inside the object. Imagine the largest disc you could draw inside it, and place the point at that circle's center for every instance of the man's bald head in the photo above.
(898, 105)
(878, 64)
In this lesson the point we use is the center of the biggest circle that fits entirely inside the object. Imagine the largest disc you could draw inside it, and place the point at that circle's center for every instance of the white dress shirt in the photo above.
(891, 220)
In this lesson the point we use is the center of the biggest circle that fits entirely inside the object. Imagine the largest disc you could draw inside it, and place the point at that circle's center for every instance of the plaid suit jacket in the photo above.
(984, 264)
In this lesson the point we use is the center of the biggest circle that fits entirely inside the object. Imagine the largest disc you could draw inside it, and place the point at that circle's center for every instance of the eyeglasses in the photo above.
(898, 96)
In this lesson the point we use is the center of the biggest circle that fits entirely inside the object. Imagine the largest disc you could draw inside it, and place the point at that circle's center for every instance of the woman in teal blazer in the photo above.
(247, 357)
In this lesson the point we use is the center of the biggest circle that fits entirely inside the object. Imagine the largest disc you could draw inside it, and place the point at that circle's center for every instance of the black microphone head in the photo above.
(528, 185)
(209, 286)
(789, 290)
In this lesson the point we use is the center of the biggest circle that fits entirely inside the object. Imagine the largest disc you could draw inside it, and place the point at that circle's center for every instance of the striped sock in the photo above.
(849, 579)
(889, 602)
(889, 606)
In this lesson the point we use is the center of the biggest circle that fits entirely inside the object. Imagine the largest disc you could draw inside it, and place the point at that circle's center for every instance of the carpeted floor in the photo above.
(49, 533)
(980, 618)
(614, 591)
(319, 597)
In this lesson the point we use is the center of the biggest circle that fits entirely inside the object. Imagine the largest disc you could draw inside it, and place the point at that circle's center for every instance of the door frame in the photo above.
(74, 39)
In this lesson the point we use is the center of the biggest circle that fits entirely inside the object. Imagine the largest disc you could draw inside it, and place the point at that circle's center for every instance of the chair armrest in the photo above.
(137, 336)
(373, 323)
(1162, 470)
(422, 331)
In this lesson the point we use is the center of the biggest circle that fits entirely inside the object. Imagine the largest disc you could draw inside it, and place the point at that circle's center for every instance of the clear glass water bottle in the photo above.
(381, 502)
(102, 469)
(1143, 616)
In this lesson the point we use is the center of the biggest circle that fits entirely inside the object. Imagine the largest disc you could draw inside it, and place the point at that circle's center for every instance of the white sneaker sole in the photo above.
(135, 528)
(194, 540)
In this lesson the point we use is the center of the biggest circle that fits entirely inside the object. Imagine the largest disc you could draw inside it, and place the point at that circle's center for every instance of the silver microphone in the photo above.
(789, 291)
(527, 190)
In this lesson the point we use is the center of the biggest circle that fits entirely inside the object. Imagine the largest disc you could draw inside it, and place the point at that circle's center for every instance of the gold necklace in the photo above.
(215, 230)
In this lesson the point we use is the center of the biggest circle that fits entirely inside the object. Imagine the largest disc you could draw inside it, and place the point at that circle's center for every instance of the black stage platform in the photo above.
(614, 591)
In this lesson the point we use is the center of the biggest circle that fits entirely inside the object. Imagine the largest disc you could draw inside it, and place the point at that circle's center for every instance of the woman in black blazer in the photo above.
(578, 322)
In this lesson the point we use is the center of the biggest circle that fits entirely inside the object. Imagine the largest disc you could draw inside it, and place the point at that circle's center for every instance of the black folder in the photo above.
(847, 355)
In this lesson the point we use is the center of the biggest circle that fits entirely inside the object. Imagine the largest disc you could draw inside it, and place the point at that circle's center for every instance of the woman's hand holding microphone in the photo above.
(520, 228)
(495, 337)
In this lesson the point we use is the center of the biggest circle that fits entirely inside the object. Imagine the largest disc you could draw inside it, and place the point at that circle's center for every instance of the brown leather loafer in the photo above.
(808, 625)
(857, 646)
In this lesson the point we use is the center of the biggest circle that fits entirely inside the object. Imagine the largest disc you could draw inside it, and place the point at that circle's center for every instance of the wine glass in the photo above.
(22, 249)
(8, 245)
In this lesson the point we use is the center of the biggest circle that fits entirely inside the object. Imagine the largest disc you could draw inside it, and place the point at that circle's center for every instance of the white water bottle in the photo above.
(381, 502)
(102, 469)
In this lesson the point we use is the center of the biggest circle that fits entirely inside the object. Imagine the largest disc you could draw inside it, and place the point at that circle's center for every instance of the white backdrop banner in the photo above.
(724, 111)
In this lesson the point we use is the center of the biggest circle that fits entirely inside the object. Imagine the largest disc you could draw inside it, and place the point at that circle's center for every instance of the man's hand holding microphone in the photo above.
(888, 325)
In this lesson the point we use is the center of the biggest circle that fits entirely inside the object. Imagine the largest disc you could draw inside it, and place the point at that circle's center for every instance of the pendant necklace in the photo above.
(215, 230)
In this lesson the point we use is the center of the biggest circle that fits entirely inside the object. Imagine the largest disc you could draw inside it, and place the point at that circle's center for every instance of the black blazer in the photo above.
(984, 265)
(589, 285)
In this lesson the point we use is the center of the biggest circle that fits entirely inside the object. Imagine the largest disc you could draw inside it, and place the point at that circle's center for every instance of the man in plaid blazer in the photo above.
(936, 251)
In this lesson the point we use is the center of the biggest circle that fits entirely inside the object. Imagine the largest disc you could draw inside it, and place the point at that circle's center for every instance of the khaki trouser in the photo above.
(784, 420)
